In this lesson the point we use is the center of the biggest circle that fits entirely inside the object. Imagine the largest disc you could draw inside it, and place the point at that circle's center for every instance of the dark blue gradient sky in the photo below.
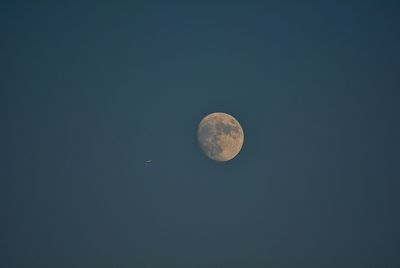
(89, 92)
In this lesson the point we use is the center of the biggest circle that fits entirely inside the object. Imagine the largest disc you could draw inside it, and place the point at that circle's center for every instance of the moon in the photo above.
(220, 136)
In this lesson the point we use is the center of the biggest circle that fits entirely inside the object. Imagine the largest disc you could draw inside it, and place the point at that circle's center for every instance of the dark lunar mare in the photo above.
(228, 129)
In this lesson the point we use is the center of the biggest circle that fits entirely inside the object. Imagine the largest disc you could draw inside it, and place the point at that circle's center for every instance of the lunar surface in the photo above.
(220, 136)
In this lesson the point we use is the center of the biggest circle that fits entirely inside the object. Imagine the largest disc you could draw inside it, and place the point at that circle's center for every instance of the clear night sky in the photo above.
(89, 92)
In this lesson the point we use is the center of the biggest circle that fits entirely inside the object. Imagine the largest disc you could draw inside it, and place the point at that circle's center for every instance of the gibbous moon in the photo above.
(220, 136)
